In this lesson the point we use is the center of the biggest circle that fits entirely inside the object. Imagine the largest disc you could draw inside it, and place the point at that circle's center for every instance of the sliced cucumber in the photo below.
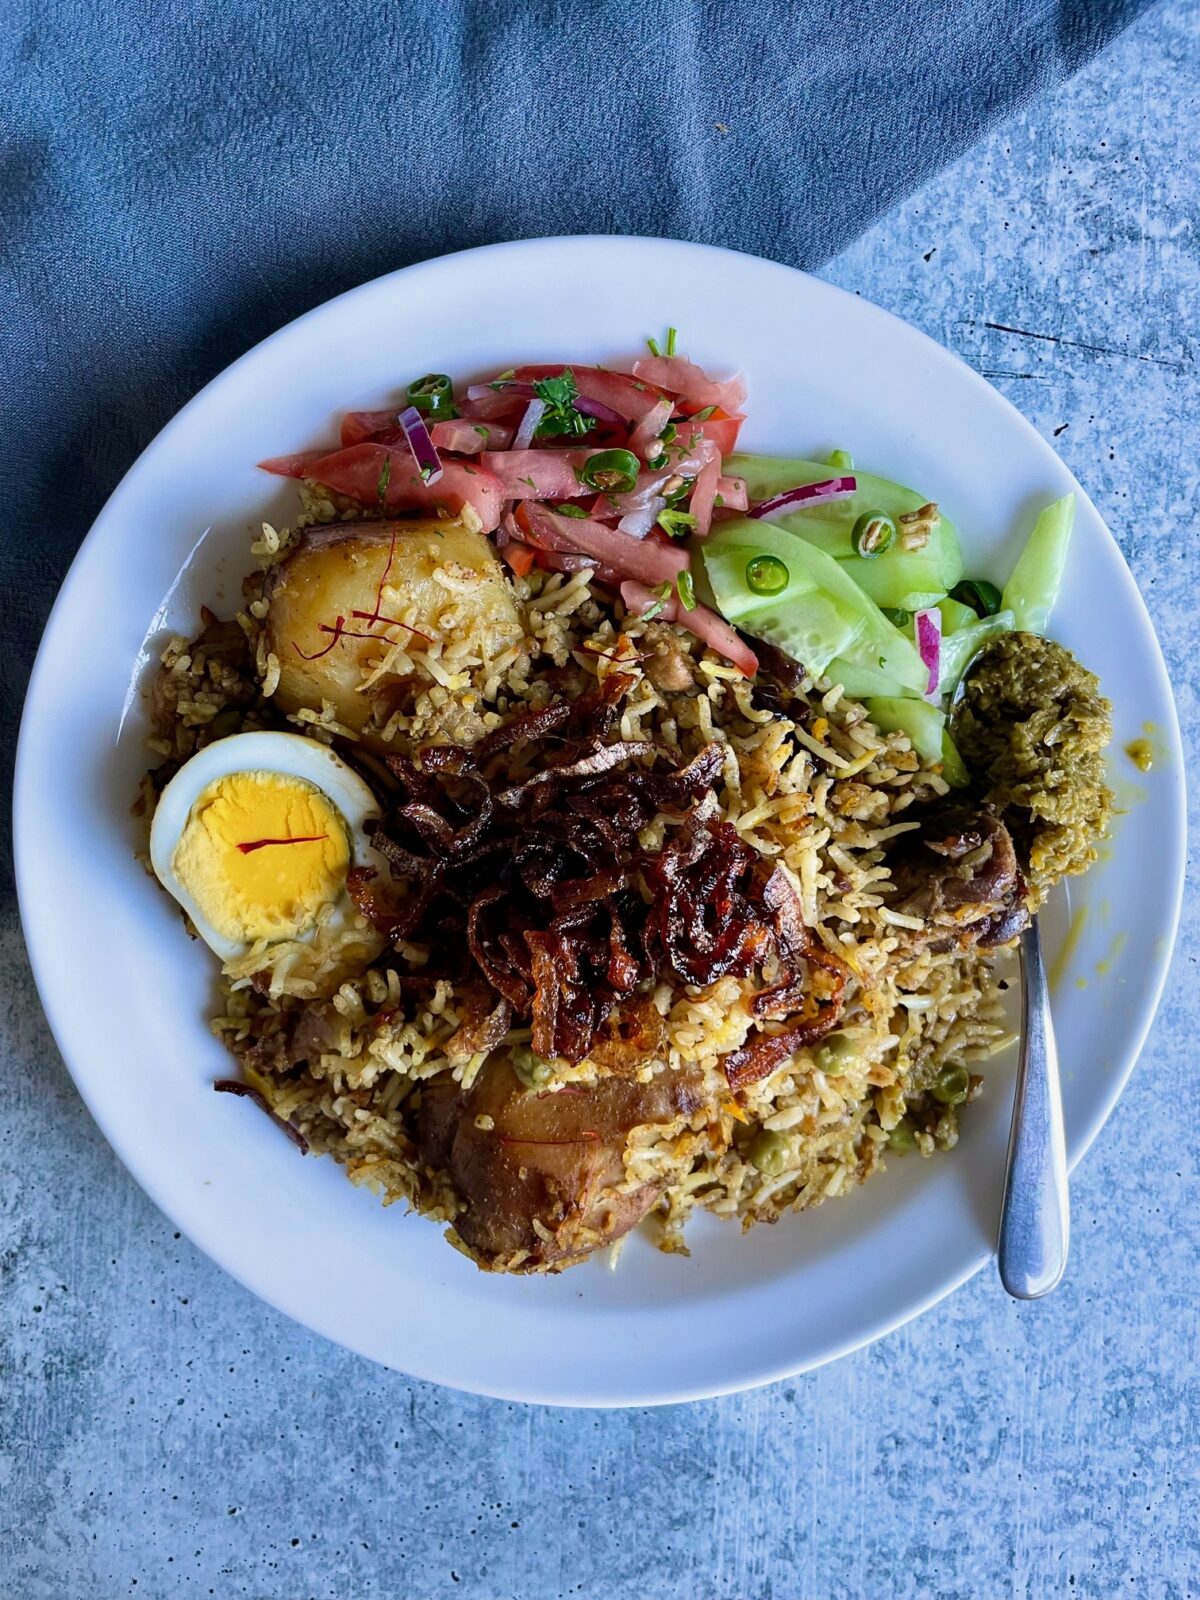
(953, 767)
(902, 580)
(905, 579)
(802, 619)
(860, 682)
(924, 724)
(961, 647)
(1033, 588)
(955, 615)
(821, 602)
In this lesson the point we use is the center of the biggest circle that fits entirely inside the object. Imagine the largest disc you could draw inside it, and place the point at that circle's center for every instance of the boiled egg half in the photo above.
(254, 836)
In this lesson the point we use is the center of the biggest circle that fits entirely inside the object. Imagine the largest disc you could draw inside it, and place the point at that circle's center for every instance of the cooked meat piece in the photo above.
(536, 1170)
(669, 668)
(346, 572)
(959, 874)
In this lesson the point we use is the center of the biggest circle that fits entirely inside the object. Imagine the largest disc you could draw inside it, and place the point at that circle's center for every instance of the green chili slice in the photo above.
(872, 534)
(613, 471)
(432, 396)
(982, 597)
(766, 575)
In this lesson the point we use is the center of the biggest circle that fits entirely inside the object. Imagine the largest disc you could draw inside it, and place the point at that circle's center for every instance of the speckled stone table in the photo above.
(163, 1434)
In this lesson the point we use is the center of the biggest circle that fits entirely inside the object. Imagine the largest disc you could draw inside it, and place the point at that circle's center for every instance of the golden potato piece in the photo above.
(420, 572)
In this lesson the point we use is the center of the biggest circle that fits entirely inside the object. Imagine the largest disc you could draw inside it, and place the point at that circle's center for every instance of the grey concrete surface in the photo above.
(163, 1434)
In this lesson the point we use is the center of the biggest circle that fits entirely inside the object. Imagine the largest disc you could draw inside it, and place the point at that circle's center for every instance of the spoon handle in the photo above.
(1035, 1219)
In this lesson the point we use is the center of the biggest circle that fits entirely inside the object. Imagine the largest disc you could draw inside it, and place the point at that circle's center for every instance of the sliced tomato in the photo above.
(733, 495)
(630, 398)
(644, 559)
(722, 429)
(538, 474)
(691, 383)
(704, 495)
(463, 437)
(360, 425)
(705, 624)
(519, 557)
(386, 476)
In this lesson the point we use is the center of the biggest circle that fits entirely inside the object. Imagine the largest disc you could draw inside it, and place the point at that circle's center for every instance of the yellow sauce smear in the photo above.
(1141, 753)
(1058, 967)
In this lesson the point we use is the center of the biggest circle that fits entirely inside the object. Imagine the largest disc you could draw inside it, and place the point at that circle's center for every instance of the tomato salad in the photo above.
(636, 476)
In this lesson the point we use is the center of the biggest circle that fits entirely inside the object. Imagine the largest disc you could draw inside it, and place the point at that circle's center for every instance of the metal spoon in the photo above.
(1035, 1218)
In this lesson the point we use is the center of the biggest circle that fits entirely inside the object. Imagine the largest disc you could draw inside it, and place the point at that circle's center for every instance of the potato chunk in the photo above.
(435, 575)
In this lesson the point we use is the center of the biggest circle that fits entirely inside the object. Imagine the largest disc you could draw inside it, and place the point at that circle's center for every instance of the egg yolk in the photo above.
(261, 855)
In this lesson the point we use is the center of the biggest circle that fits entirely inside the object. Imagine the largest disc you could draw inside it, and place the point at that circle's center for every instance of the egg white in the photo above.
(288, 754)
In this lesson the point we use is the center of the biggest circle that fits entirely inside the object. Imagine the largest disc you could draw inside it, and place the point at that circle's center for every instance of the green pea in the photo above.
(532, 1070)
(224, 723)
(836, 1054)
(903, 1136)
(952, 1084)
(769, 1153)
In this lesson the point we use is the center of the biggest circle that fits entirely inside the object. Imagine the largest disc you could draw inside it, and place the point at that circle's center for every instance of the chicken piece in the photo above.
(959, 874)
(536, 1170)
(419, 572)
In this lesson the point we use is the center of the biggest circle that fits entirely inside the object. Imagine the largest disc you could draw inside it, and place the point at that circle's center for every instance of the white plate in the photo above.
(127, 993)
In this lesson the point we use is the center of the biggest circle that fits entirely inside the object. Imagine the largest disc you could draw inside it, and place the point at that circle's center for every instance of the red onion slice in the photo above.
(929, 646)
(533, 415)
(637, 523)
(644, 440)
(509, 388)
(429, 463)
(805, 494)
(587, 407)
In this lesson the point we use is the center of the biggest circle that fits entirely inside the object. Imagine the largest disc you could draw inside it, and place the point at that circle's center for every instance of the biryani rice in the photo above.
(815, 787)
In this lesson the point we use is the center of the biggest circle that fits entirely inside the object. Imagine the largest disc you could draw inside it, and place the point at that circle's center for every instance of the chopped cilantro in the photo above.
(677, 523)
(703, 416)
(671, 336)
(680, 495)
(560, 416)
(503, 378)
(654, 349)
(481, 430)
(662, 593)
(685, 588)
(567, 509)
(530, 482)
(385, 477)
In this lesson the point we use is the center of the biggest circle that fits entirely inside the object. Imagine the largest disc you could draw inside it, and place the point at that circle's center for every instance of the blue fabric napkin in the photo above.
(178, 180)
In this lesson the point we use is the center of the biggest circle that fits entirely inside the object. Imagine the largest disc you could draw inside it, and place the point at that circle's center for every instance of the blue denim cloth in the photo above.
(179, 179)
